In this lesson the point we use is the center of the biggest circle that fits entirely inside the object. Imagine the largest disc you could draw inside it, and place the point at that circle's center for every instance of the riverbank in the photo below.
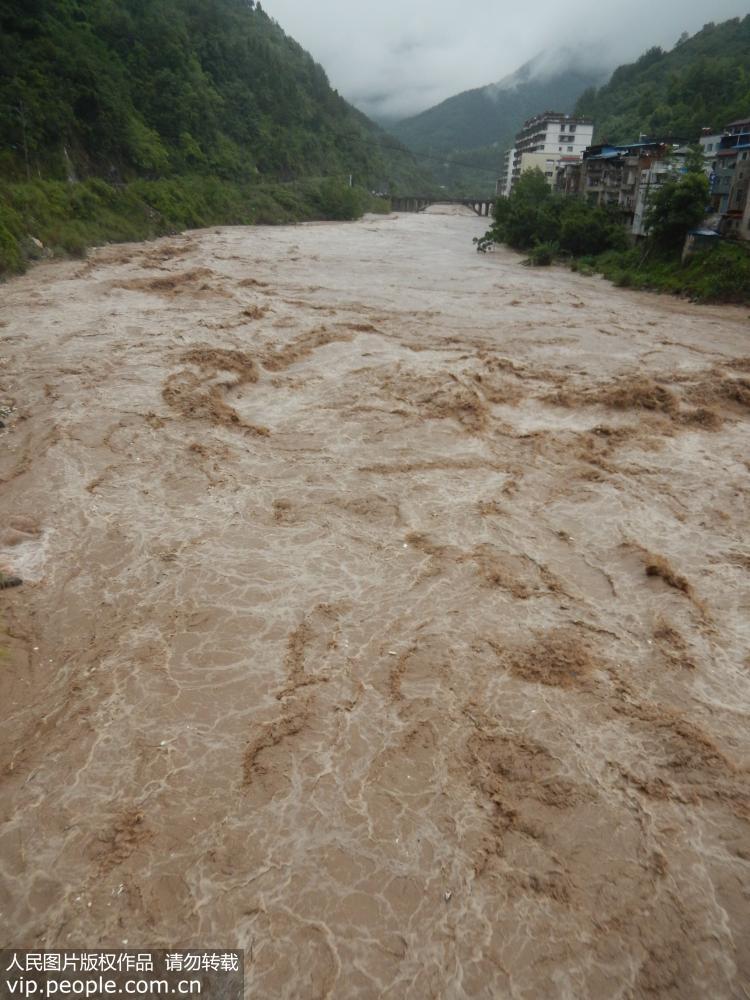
(42, 219)
(384, 613)
(593, 239)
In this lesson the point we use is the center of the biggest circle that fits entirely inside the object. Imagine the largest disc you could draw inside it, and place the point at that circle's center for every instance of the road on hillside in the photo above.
(385, 613)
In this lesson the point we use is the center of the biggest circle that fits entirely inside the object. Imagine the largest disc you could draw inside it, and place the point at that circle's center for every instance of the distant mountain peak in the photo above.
(491, 115)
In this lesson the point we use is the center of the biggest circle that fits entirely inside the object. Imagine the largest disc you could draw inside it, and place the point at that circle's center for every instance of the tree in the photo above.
(701, 82)
(587, 229)
(694, 162)
(165, 88)
(531, 214)
(533, 217)
(677, 207)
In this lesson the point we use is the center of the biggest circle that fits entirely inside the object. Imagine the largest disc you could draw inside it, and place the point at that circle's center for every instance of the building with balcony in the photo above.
(546, 140)
(730, 179)
(503, 185)
(569, 178)
(651, 176)
(621, 178)
(709, 143)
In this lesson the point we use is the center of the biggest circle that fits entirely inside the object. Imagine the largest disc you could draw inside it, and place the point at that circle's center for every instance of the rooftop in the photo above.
(557, 116)
(605, 151)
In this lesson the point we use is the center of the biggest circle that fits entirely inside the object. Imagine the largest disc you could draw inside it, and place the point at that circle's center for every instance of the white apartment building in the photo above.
(710, 144)
(504, 182)
(547, 139)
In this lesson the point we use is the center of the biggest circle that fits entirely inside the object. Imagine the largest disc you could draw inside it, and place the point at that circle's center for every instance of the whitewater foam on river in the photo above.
(385, 615)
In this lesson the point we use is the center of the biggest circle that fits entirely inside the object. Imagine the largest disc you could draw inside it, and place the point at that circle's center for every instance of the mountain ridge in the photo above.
(702, 82)
(122, 89)
(492, 114)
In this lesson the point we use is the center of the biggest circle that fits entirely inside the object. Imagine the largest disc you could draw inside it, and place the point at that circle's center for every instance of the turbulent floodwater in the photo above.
(385, 614)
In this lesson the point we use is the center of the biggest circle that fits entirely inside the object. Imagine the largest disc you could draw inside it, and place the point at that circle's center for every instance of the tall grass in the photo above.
(717, 274)
(68, 218)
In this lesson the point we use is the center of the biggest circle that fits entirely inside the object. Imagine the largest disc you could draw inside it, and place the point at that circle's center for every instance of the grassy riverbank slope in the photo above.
(67, 218)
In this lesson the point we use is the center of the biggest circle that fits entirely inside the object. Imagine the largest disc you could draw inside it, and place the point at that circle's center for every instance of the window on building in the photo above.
(570, 149)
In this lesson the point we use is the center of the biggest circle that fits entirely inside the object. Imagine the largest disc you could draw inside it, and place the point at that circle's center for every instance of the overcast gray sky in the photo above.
(402, 56)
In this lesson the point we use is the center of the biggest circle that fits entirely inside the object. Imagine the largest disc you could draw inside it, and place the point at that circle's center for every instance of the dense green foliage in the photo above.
(678, 206)
(547, 226)
(466, 173)
(194, 112)
(534, 216)
(67, 218)
(493, 114)
(703, 82)
(719, 274)
(158, 88)
(465, 136)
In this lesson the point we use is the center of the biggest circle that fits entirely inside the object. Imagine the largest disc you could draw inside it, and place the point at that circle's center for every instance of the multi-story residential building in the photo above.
(739, 129)
(548, 163)
(625, 177)
(503, 184)
(546, 140)
(730, 181)
(733, 222)
(603, 171)
(622, 177)
(568, 178)
(651, 177)
(709, 143)
(553, 132)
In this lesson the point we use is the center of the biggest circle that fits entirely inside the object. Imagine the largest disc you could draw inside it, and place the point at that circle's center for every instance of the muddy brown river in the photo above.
(385, 614)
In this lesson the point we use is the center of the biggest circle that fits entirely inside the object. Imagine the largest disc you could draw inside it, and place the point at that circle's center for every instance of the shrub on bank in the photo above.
(721, 274)
(11, 258)
(549, 226)
(717, 274)
(542, 254)
(68, 218)
(534, 215)
(338, 201)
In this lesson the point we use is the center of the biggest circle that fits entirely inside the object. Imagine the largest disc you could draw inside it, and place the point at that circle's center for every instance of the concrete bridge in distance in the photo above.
(415, 203)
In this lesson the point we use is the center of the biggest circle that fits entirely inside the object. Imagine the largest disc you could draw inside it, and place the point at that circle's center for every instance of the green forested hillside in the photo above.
(126, 119)
(493, 114)
(703, 82)
(463, 138)
(155, 88)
